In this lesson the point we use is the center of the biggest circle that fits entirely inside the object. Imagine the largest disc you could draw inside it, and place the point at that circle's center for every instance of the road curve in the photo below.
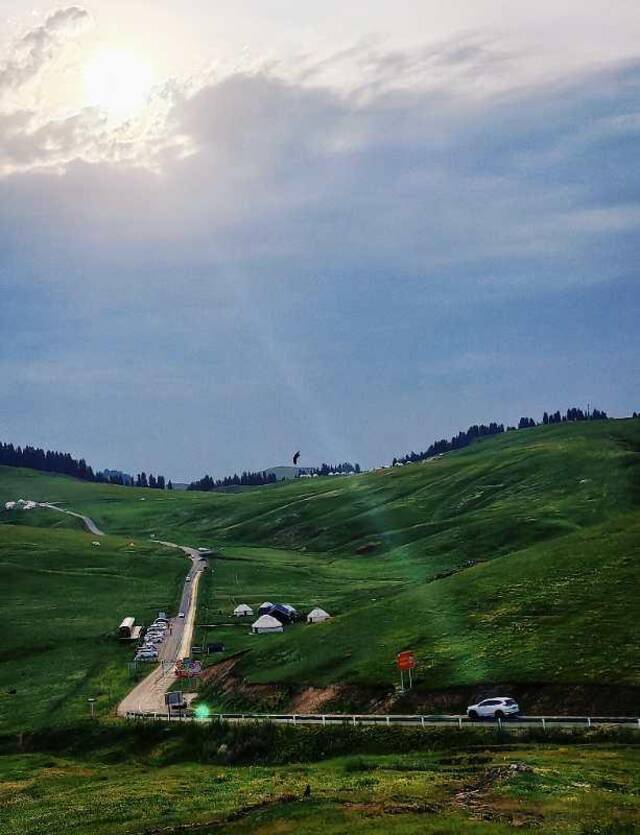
(148, 695)
(89, 524)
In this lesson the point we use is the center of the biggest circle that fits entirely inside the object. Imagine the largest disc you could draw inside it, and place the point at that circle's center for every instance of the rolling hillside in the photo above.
(515, 561)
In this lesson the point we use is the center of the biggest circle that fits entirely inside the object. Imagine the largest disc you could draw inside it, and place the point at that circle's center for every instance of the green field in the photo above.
(62, 601)
(111, 782)
(514, 561)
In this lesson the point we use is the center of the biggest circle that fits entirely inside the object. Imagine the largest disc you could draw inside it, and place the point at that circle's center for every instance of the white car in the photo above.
(181, 615)
(500, 707)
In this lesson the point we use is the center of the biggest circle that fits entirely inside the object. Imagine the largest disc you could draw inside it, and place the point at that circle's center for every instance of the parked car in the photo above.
(499, 707)
(146, 656)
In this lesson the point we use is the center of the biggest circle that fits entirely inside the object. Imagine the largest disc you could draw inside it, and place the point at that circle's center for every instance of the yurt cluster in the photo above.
(273, 617)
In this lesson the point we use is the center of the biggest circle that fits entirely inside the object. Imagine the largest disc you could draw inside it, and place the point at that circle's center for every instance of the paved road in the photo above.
(148, 695)
(89, 524)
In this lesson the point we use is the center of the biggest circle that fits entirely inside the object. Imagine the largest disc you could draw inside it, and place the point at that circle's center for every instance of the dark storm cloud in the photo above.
(307, 241)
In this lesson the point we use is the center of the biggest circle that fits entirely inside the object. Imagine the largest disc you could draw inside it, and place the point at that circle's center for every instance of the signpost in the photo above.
(92, 702)
(174, 699)
(405, 661)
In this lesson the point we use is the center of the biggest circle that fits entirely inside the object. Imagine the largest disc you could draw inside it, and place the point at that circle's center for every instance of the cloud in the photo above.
(283, 178)
(36, 48)
(277, 249)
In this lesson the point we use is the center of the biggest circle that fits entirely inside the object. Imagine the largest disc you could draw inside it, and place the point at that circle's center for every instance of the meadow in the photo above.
(233, 780)
(62, 602)
(512, 562)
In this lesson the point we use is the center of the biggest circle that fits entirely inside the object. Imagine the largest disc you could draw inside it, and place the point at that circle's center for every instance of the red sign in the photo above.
(187, 668)
(405, 660)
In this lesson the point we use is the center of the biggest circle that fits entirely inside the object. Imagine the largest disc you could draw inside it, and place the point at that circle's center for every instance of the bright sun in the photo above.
(118, 83)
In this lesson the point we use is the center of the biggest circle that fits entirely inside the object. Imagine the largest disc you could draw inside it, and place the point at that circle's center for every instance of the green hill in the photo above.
(515, 561)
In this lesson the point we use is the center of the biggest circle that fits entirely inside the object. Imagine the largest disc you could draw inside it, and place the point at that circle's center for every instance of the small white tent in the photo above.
(317, 616)
(243, 611)
(266, 623)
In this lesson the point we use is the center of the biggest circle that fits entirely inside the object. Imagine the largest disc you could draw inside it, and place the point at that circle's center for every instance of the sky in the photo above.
(227, 234)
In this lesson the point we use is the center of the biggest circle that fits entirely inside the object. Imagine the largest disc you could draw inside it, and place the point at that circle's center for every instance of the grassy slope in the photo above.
(560, 610)
(552, 513)
(62, 601)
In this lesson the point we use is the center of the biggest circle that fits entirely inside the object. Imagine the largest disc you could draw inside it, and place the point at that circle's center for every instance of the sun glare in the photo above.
(118, 83)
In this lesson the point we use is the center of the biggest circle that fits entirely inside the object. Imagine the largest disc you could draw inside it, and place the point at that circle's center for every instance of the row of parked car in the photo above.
(151, 642)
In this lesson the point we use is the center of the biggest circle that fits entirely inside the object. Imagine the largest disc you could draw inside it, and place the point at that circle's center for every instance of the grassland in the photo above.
(62, 601)
(160, 782)
(515, 560)
(493, 498)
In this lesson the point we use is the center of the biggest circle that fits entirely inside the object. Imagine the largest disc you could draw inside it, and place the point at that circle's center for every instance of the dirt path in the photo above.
(89, 524)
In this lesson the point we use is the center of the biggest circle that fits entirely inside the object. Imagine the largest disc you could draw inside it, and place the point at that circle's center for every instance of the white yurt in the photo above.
(317, 616)
(266, 623)
(243, 611)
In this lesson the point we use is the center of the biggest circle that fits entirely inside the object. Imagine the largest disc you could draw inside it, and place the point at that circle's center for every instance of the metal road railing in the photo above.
(413, 720)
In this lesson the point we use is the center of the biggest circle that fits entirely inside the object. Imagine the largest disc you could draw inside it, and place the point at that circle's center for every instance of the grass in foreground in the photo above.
(483, 788)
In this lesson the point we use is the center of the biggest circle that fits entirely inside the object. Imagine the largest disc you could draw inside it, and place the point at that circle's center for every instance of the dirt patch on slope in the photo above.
(227, 683)
(313, 699)
(535, 698)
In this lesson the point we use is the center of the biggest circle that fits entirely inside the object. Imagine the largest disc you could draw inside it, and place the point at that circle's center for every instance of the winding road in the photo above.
(148, 695)
(89, 524)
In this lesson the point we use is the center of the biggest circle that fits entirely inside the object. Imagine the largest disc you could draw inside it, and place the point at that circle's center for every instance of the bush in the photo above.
(264, 743)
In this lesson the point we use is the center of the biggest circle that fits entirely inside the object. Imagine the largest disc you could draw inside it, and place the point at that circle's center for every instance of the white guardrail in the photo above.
(398, 719)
